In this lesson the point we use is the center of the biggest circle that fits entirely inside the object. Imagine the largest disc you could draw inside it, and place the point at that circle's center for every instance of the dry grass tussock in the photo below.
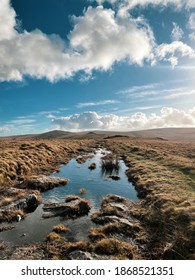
(23, 158)
(60, 228)
(163, 173)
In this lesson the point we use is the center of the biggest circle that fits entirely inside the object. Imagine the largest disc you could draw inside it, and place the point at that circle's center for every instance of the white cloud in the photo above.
(192, 36)
(4, 130)
(191, 25)
(156, 92)
(137, 89)
(192, 21)
(97, 41)
(103, 39)
(124, 6)
(132, 3)
(50, 116)
(168, 117)
(103, 102)
(177, 33)
(7, 21)
(169, 52)
(21, 121)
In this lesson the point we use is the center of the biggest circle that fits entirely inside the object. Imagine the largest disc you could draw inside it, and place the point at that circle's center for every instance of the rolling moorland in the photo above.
(160, 164)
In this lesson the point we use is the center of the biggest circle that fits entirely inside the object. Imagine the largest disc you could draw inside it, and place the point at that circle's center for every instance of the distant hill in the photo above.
(166, 133)
(187, 134)
(54, 134)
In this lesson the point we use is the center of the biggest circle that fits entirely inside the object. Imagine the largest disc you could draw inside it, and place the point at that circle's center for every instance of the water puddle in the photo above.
(34, 228)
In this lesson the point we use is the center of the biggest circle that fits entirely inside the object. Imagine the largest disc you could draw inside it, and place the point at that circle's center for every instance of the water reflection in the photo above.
(96, 182)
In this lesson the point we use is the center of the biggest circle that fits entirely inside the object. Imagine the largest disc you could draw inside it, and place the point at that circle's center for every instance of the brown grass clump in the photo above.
(60, 228)
(96, 234)
(82, 207)
(106, 229)
(23, 158)
(53, 236)
(82, 191)
(70, 198)
(111, 246)
(2, 246)
(110, 163)
(11, 215)
(69, 247)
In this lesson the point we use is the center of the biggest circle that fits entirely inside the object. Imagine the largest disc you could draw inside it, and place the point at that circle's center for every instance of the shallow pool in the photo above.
(34, 228)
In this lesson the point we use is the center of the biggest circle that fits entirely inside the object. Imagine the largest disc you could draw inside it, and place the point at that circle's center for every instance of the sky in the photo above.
(120, 65)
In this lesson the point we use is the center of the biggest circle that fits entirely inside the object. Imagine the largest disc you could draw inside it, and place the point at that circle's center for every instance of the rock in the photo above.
(114, 177)
(116, 209)
(32, 202)
(74, 208)
(119, 206)
(81, 255)
(27, 204)
(92, 166)
(115, 219)
(18, 218)
(42, 183)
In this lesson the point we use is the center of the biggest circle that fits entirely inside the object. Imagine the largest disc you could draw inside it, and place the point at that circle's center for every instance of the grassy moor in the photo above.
(159, 225)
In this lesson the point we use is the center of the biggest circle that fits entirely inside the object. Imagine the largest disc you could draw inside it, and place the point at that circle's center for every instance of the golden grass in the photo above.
(53, 236)
(70, 198)
(22, 158)
(112, 246)
(60, 228)
(82, 191)
(10, 215)
(2, 246)
(163, 175)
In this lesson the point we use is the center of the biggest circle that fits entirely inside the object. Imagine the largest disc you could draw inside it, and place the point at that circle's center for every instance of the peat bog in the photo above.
(136, 202)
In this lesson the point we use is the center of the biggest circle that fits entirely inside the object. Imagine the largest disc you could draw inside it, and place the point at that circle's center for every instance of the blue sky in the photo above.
(94, 65)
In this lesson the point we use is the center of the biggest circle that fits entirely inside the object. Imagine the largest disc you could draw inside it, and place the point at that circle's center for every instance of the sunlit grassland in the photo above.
(163, 175)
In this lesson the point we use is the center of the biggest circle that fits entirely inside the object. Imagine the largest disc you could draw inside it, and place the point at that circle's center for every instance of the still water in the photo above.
(34, 228)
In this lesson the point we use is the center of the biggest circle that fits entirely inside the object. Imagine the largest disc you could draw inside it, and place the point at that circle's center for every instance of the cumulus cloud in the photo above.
(168, 117)
(168, 52)
(98, 40)
(177, 33)
(7, 21)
